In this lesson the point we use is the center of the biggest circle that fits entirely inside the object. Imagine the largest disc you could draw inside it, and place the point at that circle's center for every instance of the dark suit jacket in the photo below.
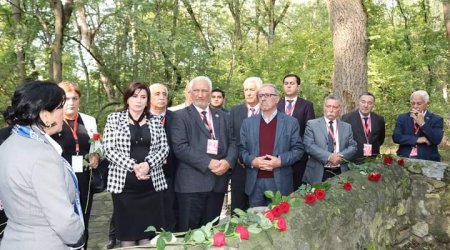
(377, 132)
(303, 112)
(288, 146)
(433, 130)
(171, 162)
(189, 142)
(237, 115)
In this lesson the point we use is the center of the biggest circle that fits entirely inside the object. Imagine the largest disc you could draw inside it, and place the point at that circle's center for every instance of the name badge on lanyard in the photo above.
(77, 163)
(212, 147)
(367, 149)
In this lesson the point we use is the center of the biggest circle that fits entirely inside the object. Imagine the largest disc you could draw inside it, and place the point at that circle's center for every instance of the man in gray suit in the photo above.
(205, 149)
(270, 144)
(328, 142)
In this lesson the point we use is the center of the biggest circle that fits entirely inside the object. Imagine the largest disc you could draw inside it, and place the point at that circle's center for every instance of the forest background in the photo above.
(104, 45)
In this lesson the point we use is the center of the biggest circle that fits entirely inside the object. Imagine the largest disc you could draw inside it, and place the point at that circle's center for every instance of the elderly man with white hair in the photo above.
(202, 143)
(419, 132)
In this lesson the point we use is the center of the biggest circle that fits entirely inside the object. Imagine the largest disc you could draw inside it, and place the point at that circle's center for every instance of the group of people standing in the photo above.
(171, 169)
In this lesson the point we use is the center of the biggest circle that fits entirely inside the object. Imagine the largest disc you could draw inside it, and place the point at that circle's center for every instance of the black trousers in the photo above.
(239, 198)
(330, 173)
(197, 209)
(298, 170)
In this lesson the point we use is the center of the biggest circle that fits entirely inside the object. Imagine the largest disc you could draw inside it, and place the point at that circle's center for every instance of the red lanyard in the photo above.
(74, 133)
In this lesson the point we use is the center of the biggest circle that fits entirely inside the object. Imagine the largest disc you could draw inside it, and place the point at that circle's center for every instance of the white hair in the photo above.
(254, 79)
(200, 78)
(421, 93)
(155, 85)
(270, 85)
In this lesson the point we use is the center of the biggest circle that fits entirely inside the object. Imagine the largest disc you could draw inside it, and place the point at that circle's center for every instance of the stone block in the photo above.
(420, 229)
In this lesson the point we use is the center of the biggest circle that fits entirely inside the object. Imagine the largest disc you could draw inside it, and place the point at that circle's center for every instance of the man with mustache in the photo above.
(328, 142)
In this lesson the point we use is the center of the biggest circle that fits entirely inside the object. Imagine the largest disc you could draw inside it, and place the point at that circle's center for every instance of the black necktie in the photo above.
(330, 142)
(205, 121)
(253, 111)
(366, 128)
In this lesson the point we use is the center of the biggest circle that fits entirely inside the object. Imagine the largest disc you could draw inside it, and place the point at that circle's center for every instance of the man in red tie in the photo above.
(368, 128)
(419, 132)
(293, 105)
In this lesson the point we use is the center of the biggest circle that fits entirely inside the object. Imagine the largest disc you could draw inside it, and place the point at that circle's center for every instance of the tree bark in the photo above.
(446, 4)
(62, 13)
(198, 27)
(20, 42)
(348, 20)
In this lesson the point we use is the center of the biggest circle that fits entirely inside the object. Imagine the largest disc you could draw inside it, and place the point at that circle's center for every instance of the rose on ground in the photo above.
(269, 215)
(375, 176)
(276, 211)
(388, 160)
(401, 162)
(347, 186)
(284, 206)
(320, 194)
(310, 198)
(96, 136)
(219, 239)
(281, 224)
(243, 232)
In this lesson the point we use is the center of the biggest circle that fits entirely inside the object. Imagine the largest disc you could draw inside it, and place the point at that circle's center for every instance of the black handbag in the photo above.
(98, 181)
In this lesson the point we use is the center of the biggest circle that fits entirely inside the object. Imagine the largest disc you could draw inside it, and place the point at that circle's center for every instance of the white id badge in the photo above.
(367, 149)
(77, 163)
(213, 147)
(413, 152)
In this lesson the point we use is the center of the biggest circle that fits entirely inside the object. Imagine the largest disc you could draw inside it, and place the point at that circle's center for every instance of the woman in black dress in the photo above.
(78, 129)
(136, 146)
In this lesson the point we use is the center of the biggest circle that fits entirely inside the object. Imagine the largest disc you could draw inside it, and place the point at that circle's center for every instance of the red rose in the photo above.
(269, 215)
(243, 232)
(388, 160)
(281, 224)
(284, 206)
(320, 194)
(219, 239)
(276, 211)
(347, 186)
(401, 162)
(96, 136)
(375, 176)
(310, 198)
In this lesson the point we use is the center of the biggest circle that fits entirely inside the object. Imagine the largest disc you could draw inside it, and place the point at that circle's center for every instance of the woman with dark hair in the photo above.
(136, 146)
(38, 187)
(78, 129)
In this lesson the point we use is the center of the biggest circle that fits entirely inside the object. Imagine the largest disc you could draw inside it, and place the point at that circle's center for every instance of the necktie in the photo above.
(253, 111)
(330, 142)
(289, 107)
(366, 128)
(205, 120)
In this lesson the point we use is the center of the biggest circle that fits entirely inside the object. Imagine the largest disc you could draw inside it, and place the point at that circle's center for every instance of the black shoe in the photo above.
(111, 244)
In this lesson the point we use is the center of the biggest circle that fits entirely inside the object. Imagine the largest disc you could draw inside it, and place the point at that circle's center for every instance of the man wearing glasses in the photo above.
(270, 143)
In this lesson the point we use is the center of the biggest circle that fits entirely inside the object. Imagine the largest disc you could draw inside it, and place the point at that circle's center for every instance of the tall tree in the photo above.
(62, 12)
(19, 39)
(348, 20)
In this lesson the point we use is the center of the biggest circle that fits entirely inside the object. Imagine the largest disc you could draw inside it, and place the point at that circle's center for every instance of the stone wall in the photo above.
(408, 208)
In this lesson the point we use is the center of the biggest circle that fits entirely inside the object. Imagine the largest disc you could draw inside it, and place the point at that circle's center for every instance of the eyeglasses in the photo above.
(260, 96)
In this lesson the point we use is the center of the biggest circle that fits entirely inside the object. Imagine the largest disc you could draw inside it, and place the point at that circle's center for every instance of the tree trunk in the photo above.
(20, 42)
(62, 15)
(348, 21)
(446, 4)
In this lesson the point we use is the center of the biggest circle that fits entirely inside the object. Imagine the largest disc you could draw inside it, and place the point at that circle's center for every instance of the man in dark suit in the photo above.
(205, 149)
(419, 132)
(328, 142)
(303, 111)
(218, 99)
(250, 107)
(159, 98)
(270, 144)
(368, 128)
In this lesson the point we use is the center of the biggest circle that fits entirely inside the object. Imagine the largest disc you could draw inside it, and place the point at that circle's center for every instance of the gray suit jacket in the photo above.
(37, 192)
(315, 140)
(288, 146)
(189, 142)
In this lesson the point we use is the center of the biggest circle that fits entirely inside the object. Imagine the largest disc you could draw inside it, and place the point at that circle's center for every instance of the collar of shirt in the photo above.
(249, 112)
(362, 116)
(199, 110)
(54, 144)
(269, 118)
(293, 99)
(161, 114)
(327, 121)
